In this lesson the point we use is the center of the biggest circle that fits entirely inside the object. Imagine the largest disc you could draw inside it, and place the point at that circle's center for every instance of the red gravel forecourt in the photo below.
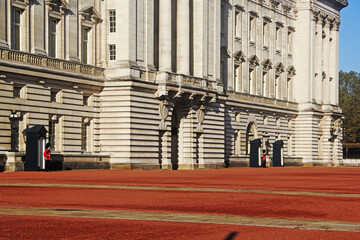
(310, 203)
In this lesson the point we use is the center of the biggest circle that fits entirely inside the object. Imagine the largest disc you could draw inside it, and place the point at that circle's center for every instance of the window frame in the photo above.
(112, 21)
(112, 52)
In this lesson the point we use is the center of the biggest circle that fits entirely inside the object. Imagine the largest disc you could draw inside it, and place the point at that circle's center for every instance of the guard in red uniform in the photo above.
(263, 158)
(47, 156)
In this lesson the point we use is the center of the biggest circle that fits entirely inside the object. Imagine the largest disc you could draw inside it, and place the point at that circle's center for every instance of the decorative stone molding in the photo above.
(291, 71)
(254, 61)
(267, 65)
(90, 15)
(275, 3)
(200, 116)
(279, 68)
(164, 113)
(239, 57)
(51, 63)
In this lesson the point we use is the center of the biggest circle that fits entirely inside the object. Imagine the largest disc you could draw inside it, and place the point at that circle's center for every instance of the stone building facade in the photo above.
(171, 84)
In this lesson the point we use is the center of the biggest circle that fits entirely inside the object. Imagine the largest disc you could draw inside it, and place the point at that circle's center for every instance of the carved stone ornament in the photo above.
(267, 64)
(200, 115)
(275, 3)
(287, 8)
(164, 113)
(239, 57)
(279, 68)
(254, 61)
(291, 71)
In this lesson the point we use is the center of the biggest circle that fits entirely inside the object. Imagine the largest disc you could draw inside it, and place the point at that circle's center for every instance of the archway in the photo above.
(250, 135)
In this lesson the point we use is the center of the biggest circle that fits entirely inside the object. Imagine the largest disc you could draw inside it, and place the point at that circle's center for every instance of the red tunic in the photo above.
(47, 154)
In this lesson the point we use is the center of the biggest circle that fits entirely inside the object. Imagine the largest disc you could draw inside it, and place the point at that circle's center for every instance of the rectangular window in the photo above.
(52, 37)
(252, 30)
(277, 87)
(278, 38)
(265, 84)
(54, 96)
(86, 100)
(112, 21)
(85, 40)
(112, 52)
(84, 136)
(252, 78)
(15, 29)
(237, 23)
(266, 33)
(237, 77)
(17, 92)
(290, 42)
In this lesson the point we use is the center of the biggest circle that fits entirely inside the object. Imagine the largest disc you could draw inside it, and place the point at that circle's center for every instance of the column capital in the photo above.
(335, 25)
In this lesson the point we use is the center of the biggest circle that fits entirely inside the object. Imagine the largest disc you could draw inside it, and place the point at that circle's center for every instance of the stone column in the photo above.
(38, 21)
(149, 35)
(326, 62)
(200, 37)
(72, 41)
(183, 37)
(334, 68)
(3, 21)
(165, 35)
(46, 28)
(318, 61)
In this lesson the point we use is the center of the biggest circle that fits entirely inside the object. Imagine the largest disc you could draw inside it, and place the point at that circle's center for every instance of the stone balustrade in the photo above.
(44, 61)
(264, 100)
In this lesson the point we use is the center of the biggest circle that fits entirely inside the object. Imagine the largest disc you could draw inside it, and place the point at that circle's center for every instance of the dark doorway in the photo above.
(175, 122)
(278, 156)
(255, 160)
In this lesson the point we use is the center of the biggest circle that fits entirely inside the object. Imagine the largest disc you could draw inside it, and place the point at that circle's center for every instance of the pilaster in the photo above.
(183, 37)
(4, 19)
(200, 37)
(165, 62)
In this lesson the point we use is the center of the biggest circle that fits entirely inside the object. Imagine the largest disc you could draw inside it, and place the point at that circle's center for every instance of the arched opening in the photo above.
(250, 135)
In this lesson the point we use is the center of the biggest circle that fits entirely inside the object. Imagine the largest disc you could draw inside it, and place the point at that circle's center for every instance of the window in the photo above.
(289, 89)
(252, 30)
(84, 136)
(252, 78)
(112, 52)
(17, 92)
(112, 21)
(290, 42)
(52, 37)
(85, 40)
(266, 33)
(237, 77)
(86, 100)
(237, 23)
(277, 87)
(54, 96)
(265, 84)
(278, 38)
(15, 29)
